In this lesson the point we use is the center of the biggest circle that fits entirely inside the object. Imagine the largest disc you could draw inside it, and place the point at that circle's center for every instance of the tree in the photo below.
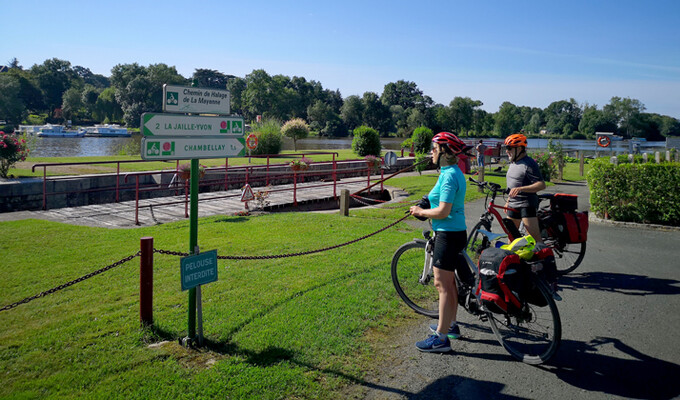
(595, 120)
(460, 114)
(210, 78)
(29, 92)
(72, 105)
(352, 112)
(402, 93)
(625, 112)
(11, 106)
(295, 129)
(140, 89)
(107, 109)
(563, 117)
(376, 114)
(324, 120)
(54, 77)
(366, 142)
(236, 87)
(507, 120)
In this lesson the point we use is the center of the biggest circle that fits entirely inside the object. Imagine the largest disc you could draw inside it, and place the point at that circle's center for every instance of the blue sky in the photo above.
(527, 52)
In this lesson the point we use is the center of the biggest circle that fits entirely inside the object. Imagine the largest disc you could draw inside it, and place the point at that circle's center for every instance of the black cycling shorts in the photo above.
(522, 212)
(447, 248)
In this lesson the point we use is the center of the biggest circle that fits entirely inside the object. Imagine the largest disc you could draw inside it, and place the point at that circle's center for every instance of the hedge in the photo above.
(644, 193)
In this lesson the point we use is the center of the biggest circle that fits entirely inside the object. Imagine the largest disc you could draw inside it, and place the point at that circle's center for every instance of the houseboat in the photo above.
(50, 130)
(105, 130)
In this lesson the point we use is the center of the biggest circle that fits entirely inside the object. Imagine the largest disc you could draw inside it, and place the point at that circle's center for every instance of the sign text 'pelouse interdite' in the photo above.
(198, 269)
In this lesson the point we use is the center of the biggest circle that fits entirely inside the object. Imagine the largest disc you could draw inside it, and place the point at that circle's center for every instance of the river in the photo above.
(103, 146)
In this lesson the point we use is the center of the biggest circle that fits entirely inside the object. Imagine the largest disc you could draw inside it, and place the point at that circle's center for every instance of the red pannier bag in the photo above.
(577, 226)
(502, 278)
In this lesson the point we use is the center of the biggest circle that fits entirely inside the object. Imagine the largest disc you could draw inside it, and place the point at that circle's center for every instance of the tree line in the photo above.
(56, 92)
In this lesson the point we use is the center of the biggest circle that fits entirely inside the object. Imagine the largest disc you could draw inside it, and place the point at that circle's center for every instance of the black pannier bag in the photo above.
(502, 279)
(562, 202)
(543, 265)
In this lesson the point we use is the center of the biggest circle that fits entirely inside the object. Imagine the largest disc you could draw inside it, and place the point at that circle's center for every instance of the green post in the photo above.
(193, 241)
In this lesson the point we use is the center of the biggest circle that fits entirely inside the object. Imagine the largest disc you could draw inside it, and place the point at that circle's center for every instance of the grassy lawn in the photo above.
(297, 327)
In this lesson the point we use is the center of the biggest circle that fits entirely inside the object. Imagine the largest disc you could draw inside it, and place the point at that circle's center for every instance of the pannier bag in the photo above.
(502, 277)
(577, 227)
(568, 227)
(543, 264)
(562, 202)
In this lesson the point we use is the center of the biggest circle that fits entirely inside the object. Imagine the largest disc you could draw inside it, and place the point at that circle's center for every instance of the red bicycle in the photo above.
(568, 256)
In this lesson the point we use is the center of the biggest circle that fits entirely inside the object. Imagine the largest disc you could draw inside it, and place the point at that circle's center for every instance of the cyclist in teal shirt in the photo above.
(448, 221)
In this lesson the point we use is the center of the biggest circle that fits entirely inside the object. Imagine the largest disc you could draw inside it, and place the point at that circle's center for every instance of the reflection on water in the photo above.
(107, 146)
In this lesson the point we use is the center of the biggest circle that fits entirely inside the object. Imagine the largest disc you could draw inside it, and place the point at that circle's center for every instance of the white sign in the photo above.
(190, 125)
(183, 99)
(183, 148)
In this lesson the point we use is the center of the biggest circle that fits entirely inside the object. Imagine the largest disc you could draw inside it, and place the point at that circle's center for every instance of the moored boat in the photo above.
(105, 130)
(50, 130)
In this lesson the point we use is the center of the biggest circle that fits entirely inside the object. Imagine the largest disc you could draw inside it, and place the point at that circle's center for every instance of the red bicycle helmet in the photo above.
(516, 140)
(451, 141)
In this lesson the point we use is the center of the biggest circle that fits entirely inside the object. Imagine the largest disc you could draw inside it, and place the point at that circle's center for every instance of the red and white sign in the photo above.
(247, 194)
(251, 142)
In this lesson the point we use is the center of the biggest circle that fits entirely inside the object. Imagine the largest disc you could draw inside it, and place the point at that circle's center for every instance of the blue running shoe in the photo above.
(453, 333)
(434, 345)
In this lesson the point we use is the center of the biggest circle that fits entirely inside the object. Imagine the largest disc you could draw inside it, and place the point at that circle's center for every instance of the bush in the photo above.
(12, 150)
(366, 142)
(422, 139)
(268, 137)
(546, 165)
(644, 193)
(295, 129)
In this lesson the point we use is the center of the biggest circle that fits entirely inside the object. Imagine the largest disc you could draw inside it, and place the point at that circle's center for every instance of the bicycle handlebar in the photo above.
(494, 187)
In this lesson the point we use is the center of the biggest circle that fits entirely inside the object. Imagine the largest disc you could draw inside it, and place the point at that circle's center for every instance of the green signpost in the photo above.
(180, 136)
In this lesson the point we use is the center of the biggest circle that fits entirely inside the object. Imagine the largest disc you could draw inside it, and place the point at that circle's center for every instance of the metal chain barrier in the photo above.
(304, 253)
(365, 201)
(73, 282)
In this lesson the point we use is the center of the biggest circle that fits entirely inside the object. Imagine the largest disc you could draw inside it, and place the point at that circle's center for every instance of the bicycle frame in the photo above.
(492, 211)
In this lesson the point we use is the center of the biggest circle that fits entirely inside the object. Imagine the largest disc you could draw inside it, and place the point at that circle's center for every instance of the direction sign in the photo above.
(198, 269)
(183, 148)
(183, 99)
(154, 124)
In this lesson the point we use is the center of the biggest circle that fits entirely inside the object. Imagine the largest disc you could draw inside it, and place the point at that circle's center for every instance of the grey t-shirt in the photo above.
(523, 172)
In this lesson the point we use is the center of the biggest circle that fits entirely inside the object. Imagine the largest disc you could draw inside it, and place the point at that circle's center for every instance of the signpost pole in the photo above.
(193, 242)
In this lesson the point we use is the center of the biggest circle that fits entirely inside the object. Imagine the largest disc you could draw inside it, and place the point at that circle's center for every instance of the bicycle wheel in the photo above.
(477, 242)
(534, 334)
(407, 268)
(568, 256)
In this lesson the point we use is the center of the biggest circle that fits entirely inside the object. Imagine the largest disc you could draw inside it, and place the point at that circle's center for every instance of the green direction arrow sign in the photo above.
(154, 124)
(183, 148)
(198, 269)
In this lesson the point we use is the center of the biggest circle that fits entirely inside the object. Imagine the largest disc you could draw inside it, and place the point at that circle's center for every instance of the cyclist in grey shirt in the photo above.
(524, 180)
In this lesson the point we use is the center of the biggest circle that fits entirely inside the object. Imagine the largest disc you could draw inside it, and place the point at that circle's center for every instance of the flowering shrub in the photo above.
(262, 198)
(12, 150)
(301, 164)
(184, 171)
(546, 165)
(373, 161)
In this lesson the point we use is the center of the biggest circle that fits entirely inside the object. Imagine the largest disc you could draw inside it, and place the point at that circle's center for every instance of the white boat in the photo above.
(50, 130)
(105, 130)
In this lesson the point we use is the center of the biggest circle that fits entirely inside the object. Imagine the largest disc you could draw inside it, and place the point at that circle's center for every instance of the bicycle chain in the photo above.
(71, 283)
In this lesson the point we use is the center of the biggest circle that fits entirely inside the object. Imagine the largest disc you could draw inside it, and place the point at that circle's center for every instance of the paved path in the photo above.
(157, 211)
